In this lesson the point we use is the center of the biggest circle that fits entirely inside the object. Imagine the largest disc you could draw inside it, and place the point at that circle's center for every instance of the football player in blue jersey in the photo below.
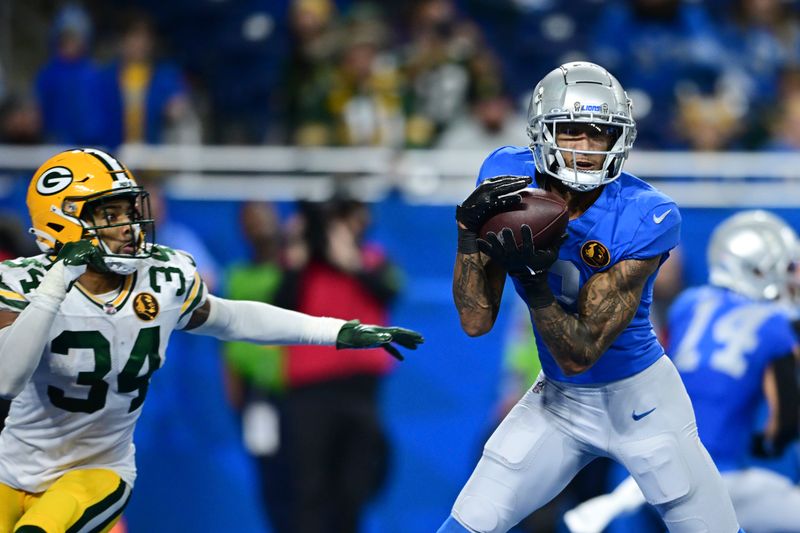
(734, 347)
(606, 387)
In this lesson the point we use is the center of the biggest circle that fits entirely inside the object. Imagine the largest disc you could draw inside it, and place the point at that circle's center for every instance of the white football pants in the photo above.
(645, 422)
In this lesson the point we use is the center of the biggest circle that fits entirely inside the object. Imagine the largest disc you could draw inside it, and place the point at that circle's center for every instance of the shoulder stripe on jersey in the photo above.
(195, 295)
(10, 299)
(5, 288)
(99, 515)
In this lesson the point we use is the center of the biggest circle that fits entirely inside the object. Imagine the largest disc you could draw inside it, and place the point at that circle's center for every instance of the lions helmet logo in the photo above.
(595, 254)
(145, 306)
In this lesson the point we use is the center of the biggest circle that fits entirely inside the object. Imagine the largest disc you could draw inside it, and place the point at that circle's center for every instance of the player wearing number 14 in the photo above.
(84, 326)
(606, 388)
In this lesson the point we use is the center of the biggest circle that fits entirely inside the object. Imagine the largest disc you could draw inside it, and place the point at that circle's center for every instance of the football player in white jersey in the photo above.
(83, 327)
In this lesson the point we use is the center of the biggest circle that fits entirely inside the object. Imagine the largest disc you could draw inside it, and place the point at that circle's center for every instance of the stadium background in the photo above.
(194, 473)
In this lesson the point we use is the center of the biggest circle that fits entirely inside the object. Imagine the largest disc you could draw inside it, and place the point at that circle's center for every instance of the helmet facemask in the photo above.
(583, 94)
(549, 156)
(133, 212)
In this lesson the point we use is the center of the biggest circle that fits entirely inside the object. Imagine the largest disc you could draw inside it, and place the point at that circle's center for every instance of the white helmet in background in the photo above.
(586, 93)
(753, 253)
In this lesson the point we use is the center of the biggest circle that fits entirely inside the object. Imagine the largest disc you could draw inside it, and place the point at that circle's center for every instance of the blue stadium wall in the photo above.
(193, 472)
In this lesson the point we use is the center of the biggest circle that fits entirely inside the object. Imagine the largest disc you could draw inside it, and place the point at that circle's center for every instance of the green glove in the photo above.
(354, 334)
(77, 255)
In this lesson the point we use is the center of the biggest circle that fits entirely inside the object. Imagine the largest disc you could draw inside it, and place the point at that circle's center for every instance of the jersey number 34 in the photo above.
(129, 380)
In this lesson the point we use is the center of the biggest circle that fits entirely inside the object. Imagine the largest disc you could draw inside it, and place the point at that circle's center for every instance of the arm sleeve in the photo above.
(261, 323)
(22, 343)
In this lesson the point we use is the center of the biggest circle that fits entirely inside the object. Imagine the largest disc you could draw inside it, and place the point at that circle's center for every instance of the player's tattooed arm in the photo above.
(606, 305)
(477, 289)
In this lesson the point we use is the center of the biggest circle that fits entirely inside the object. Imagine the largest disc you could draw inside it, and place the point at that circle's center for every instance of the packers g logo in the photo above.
(54, 180)
(595, 254)
(145, 306)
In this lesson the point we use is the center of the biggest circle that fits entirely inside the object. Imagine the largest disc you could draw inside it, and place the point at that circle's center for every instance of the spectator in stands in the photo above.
(706, 122)
(652, 45)
(314, 40)
(493, 121)
(67, 85)
(20, 121)
(146, 97)
(530, 36)
(783, 123)
(364, 98)
(339, 449)
(437, 66)
(761, 37)
(256, 375)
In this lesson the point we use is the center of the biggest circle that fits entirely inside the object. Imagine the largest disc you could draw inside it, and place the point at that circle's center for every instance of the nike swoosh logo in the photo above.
(659, 219)
(642, 415)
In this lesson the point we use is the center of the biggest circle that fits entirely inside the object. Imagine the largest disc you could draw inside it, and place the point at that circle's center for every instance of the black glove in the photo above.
(490, 197)
(354, 334)
(525, 263)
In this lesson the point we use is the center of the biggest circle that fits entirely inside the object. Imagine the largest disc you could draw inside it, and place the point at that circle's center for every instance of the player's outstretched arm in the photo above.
(261, 323)
(24, 335)
(477, 283)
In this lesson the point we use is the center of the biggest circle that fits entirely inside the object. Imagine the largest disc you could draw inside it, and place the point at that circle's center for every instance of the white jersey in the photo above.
(81, 405)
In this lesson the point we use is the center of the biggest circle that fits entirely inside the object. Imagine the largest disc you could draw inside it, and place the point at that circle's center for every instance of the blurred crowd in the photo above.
(703, 74)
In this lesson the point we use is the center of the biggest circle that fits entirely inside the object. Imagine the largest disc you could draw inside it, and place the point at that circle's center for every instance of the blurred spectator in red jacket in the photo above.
(338, 447)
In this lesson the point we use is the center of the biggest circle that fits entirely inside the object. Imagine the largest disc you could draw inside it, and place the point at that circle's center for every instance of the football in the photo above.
(545, 212)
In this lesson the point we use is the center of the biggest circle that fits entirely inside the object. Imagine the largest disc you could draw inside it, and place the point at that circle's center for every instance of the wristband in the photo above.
(537, 290)
(467, 241)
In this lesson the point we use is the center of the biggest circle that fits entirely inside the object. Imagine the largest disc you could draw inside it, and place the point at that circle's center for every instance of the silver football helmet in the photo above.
(587, 93)
(753, 253)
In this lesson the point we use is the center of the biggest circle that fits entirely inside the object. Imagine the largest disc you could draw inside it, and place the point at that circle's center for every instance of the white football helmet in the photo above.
(753, 253)
(586, 93)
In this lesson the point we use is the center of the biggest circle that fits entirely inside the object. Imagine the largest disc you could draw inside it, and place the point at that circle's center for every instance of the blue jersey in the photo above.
(721, 342)
(629, 220)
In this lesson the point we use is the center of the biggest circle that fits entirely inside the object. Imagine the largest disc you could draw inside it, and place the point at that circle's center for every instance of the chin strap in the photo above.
(121, 265)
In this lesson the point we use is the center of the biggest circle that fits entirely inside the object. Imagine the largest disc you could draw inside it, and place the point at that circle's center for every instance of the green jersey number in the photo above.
(129, 380)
